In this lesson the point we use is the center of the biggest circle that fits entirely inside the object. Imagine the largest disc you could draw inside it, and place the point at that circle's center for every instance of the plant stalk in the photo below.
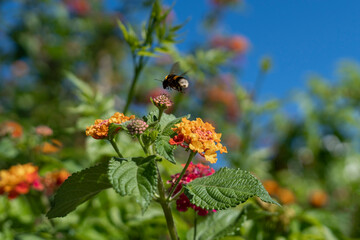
(195, 224)
(166, 208)
(192, 154)
(113, 143)
(130, 96)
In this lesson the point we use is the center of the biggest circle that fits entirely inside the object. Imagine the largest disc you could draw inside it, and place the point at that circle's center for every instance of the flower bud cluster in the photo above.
(137, 126)
(162, 101)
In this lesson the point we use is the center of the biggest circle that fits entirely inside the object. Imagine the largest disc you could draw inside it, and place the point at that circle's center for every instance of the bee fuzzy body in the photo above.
(174, 81)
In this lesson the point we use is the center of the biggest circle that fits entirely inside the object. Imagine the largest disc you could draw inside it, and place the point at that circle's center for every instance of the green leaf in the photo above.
(168, 121)
(152, 117)
(123, 29)
(162, 49)
(147, 54)
(225, 188)
(165, 149)
(78, 188)
(83, 87)
(135, 177)
(218, 225)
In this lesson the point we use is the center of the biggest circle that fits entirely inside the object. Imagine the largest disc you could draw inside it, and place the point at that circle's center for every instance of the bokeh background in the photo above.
(279, 79)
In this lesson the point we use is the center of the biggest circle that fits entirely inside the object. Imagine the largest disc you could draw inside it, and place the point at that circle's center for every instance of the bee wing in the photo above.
(183, 74)
(175, 68)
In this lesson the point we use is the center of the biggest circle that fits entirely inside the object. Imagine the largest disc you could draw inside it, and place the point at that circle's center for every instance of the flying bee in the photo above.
(174, 81)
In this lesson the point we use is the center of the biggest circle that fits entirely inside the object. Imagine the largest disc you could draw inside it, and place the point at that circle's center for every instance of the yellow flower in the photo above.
(101, 127)
(200, 137)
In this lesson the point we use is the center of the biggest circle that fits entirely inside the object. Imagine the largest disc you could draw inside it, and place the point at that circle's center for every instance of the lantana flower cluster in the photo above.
(101, 127)
(200, 137)
(19, 179)
(192, 172)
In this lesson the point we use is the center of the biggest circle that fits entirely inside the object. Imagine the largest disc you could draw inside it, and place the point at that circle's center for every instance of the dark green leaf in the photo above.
(217, 225)
(78, 188)
(163, 148)
(225, 188)
(135, 177)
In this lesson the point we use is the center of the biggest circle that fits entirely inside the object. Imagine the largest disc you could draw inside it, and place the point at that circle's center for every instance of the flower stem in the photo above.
(161, 111)
(166, 208)
(137, 71)
(195, 224)
(113, 143)
(143, 146)
(192, 154)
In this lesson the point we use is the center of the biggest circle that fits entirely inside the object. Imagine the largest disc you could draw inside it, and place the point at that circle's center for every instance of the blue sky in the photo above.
(302, 36)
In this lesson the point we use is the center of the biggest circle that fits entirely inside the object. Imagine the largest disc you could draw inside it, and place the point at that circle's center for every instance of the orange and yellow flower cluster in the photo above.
(101, 127)
(200, 137)
(19, 179)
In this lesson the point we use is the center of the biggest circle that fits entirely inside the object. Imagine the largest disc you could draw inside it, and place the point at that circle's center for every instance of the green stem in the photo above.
(113, 143)
(195, 224)
(161, 111)
(176, 195)
(142, 145)
(137, 71)
(192, 154)
(141, 63)
(166, 208)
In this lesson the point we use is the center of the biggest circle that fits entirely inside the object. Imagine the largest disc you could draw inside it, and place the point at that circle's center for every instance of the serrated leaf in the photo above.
(165, 149)
(170, 124)
(151, 118)
(134, 177)
(217, 225)
(225, 188)
(78, 188)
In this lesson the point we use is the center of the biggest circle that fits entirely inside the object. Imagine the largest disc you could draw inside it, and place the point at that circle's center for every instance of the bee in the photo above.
(174, 81)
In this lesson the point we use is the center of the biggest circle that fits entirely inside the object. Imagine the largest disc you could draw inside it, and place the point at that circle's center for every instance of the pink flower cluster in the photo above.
(192, 172)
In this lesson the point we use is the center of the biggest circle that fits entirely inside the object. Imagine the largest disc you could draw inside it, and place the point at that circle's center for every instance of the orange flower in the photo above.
(271, 186)
(238, 44)
(101, 127)
(19, 179)
(53, 180)
(13, 128)
(200, 138)
(285, 196)
(318, 198)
